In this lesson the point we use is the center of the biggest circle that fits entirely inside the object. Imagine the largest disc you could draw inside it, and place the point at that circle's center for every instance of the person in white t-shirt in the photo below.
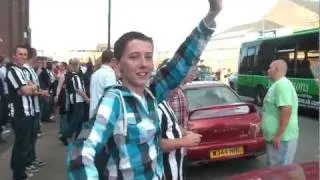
(103, 77)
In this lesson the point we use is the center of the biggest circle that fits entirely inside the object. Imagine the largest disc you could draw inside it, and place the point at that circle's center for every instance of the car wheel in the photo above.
(259, 96)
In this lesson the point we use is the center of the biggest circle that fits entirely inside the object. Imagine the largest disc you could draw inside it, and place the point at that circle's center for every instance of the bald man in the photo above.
(280, 116)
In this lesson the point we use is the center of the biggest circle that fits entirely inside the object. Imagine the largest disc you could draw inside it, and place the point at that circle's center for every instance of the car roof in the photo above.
(197, 84)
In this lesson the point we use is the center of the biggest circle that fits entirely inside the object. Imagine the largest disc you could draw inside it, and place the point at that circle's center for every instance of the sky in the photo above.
(62, 25)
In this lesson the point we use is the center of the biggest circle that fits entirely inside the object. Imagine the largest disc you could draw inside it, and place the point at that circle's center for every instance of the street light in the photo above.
(109, 23)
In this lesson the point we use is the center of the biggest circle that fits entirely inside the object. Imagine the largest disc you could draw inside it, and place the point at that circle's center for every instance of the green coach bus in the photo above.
(301, 52)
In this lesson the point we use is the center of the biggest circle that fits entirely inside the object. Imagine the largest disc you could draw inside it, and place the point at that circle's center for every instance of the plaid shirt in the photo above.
(126, 129)
(179, 104)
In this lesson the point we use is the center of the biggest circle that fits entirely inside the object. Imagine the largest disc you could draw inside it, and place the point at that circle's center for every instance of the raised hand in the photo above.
(215, 6)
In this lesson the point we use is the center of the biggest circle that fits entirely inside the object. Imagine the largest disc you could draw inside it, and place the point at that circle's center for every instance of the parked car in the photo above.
(204, 73)
(233, 80)
(229, 127)
(305, 171)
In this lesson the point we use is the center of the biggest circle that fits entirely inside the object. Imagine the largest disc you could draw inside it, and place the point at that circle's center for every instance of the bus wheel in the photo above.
(259, 96)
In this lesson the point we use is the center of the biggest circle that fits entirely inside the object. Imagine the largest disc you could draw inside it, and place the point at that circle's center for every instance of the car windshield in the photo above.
(209, 96)
(204, 69)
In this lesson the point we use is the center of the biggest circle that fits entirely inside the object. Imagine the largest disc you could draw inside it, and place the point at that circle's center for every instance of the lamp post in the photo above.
(109, 23)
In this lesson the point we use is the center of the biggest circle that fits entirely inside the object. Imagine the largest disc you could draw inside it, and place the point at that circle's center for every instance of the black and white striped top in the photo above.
(77, 84)
(32, 76)
(22, 105)
(172, 161)
(51, 76)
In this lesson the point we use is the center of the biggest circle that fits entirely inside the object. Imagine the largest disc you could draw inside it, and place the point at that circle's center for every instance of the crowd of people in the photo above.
(34, 89)
(115, 121)
(31, 89)
(110, 112)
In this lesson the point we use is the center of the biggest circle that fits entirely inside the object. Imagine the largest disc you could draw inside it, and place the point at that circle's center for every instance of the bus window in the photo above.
(251, 54)
(303, 65)
(287, 54)
(242, 60)
(313, 57)
(309, 66)
(265, 57)
(247, 63)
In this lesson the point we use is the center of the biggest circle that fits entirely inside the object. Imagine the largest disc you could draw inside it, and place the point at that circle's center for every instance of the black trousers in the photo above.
(33, 139)
(86, 111)
(76, 120)
(22, 128)
(46, 109)
(4, 110)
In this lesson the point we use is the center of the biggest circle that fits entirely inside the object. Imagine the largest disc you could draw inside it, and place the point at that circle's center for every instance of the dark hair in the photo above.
(19, 47)
(65, 65)
(89, 67)
(32, 52)
(49, 65)
(107, 56)
(122, 42)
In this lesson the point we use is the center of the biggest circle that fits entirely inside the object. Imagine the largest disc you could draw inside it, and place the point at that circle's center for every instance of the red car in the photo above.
(305, 171)
(230, 128)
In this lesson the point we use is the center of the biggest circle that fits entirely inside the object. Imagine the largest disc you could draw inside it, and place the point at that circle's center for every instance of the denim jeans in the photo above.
(284, 155)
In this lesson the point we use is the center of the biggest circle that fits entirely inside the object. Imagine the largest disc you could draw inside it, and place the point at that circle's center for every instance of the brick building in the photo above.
(14, 28)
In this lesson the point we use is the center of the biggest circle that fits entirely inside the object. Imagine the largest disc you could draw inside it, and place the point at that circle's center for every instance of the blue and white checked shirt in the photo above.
(126, 130)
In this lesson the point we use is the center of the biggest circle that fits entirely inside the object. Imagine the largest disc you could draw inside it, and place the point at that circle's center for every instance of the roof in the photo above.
(274, 19)
(297, 33)
(307, 31)
(254, 27)
(311, 5)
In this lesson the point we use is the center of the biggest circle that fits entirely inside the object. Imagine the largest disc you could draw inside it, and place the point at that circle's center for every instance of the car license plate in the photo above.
(226, 152)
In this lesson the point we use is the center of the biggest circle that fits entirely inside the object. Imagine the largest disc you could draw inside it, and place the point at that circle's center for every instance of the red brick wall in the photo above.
(14, 20)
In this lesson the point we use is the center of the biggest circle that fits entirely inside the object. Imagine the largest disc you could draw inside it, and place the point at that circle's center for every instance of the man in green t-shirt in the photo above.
(280, 116)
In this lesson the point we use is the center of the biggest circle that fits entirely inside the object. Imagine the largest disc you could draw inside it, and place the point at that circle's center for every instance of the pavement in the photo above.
(49, 149)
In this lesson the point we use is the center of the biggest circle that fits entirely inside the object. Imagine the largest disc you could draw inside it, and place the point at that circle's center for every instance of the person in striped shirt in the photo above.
(21, 93)
(174, 140)
(126, 126)
(32, 78)
(78, 98)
